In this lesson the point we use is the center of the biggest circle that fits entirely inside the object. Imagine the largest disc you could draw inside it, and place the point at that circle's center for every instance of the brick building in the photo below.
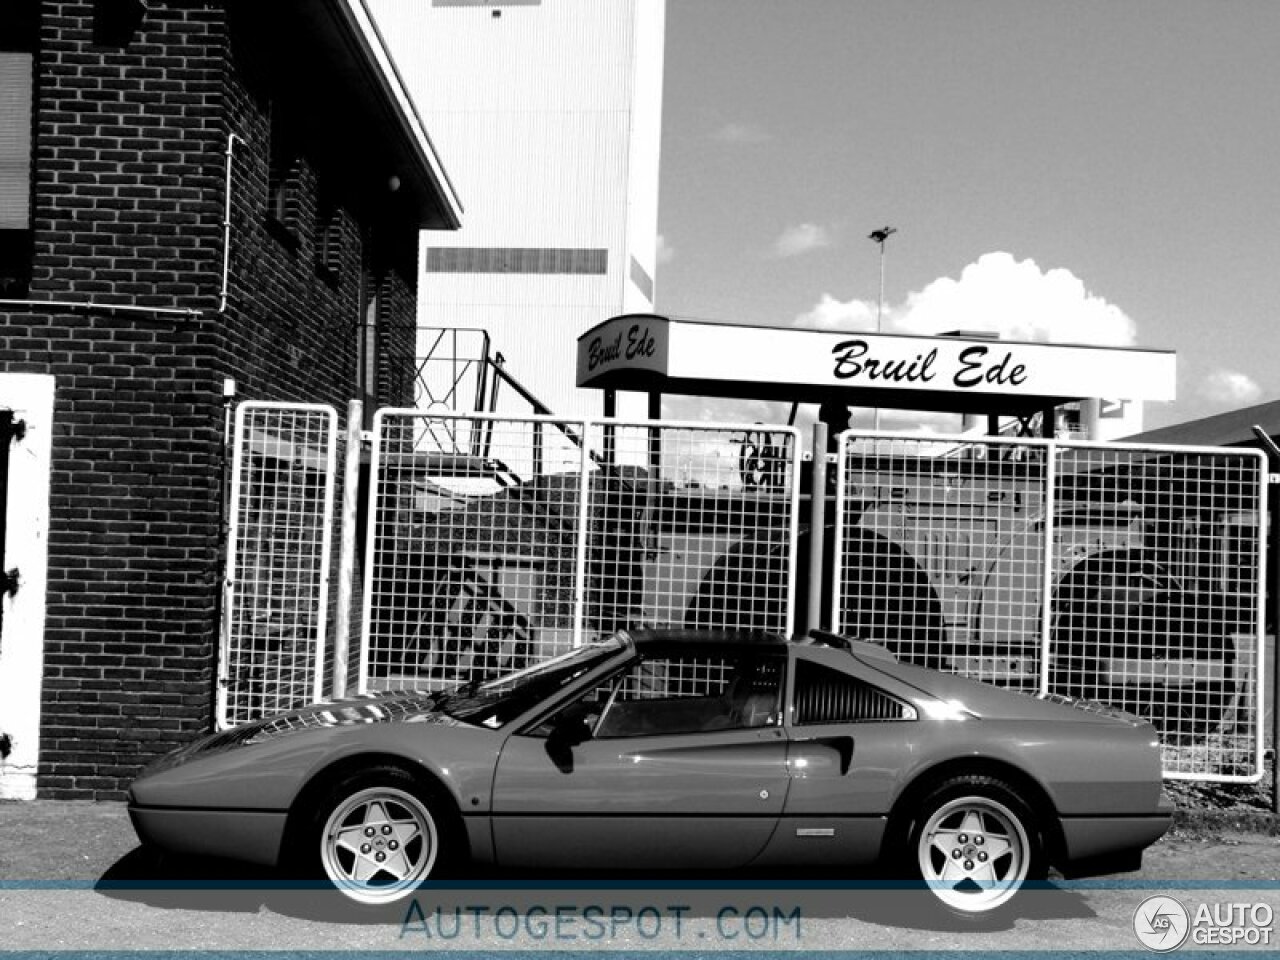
(191, 191)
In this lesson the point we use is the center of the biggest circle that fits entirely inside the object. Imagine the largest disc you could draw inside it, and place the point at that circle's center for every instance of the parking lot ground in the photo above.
(73, 878)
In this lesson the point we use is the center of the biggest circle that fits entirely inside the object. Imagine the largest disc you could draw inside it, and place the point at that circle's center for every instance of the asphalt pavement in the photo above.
(72, 877)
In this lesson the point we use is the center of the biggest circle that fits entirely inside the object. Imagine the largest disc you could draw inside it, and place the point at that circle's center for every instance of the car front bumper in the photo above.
(254, 836)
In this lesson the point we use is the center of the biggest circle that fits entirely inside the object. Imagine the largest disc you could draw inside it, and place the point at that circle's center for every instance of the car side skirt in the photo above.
(823, 841)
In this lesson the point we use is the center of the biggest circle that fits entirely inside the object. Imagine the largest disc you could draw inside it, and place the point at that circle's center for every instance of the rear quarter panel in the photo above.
(1085, 768)
(1086, 764)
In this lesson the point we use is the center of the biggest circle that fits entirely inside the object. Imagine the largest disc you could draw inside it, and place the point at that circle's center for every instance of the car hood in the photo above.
(995, 703)
(401, 706)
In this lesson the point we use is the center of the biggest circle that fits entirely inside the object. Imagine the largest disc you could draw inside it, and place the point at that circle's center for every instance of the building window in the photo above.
(328, 243)
(530, 260)
(18, 33)
(282, 182)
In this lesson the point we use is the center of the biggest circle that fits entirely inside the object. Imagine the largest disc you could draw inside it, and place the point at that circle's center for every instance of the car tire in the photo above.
(974, 843)
(376, 835)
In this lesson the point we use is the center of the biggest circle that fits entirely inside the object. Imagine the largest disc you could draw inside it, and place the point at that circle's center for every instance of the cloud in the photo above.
(665, 253)
(1230, 388)
(741, 133)
(800, 239)
(832, 314)
(995, 294)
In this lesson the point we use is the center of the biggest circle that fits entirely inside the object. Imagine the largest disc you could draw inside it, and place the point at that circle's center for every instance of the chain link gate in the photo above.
(1125, 574)
(276, 594)
(499, 541)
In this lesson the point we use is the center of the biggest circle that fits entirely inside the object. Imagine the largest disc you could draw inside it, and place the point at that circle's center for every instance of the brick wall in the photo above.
(131, 136)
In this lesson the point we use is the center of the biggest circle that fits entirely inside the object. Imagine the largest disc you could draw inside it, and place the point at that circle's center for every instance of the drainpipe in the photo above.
(189, 313)
(226, 220)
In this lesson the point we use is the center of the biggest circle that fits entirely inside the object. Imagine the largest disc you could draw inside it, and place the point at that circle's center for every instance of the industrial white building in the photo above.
(547, 114)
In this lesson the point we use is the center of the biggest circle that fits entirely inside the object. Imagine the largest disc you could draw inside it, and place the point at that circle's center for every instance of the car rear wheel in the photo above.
(975, 843)
(377, 836)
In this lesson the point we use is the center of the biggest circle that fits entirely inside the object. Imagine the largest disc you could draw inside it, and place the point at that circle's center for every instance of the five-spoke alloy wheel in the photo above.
(975, 845)
(378, 838)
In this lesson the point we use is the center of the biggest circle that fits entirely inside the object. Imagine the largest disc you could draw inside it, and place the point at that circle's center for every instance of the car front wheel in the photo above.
(975, 844)
(378, 839)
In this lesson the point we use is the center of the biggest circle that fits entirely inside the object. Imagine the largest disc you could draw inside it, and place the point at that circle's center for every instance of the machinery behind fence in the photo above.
(1127, 575)
(498, 541)
(1123, 574)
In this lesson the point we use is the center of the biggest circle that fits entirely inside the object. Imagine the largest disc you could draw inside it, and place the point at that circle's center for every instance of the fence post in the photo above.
(1046, 584)
(1270, 514)
(580, 568)
(817, 529)
(347, 548)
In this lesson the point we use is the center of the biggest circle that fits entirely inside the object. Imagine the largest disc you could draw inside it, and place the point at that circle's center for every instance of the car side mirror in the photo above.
(568, 730)
(571, 727)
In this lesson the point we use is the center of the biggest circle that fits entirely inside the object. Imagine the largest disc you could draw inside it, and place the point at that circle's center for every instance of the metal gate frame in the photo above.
(598, 443)
(248, 632)
(882, 443)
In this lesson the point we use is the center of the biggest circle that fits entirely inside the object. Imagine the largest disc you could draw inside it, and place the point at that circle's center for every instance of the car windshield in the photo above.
(495, 701)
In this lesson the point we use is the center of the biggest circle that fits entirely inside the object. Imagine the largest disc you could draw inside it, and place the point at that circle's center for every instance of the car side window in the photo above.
(824, 695)
(677, 693)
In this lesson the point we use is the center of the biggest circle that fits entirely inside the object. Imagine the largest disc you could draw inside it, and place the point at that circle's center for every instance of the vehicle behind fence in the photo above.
(498, 541)
(1128, 575)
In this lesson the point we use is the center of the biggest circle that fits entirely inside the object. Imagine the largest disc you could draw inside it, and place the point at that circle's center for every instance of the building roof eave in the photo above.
(1231, 429)
(363, 31)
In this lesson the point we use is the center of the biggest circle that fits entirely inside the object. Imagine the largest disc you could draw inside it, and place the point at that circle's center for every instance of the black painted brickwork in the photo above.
(128, 167)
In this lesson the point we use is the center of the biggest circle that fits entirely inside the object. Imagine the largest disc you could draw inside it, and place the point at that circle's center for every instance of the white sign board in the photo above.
(777, 355)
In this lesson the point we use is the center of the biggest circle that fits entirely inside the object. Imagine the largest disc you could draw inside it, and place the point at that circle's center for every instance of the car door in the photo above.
(680, 762)
(847, 742)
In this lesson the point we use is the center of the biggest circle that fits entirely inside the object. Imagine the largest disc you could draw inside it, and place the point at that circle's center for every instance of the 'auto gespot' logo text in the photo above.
(597, 922)
(1163, 923)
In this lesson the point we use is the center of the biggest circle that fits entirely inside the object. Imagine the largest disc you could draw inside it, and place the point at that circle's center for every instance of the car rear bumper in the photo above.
(1094, 846)
(254, 836)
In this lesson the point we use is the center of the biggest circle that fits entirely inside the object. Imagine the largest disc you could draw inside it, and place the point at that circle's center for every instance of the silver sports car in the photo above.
(676, 749)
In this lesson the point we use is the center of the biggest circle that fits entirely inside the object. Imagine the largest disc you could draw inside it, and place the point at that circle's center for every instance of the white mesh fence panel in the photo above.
(1166, 622)
(691, 525)
(474, 536)
(940, 554)
(1127, 575)
(498, 541)
(277, 592)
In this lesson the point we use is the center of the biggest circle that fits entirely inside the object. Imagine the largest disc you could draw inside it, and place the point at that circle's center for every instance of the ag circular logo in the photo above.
(1161, 924)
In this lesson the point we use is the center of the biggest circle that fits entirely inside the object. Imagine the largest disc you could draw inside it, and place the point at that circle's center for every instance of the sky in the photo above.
(1092, 171)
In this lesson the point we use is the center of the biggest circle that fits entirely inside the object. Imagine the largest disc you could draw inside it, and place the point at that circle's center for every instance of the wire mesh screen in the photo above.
(484, 554)
(1127, 575)
(941, 553)
(472, 561)
(277, 591)
(1157, 595)
(691, 526)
